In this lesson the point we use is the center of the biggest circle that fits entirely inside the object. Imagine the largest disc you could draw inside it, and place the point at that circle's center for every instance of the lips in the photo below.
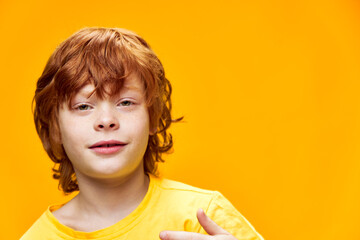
(107, 147)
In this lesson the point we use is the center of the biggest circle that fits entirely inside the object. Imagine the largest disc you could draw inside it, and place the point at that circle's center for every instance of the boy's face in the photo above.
(106, 138)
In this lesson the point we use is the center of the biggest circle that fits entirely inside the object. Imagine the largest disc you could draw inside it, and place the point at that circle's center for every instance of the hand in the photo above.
(214, 230)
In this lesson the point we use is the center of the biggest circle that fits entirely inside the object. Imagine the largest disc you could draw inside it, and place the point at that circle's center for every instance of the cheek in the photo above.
(70, 132)
(140, 132)
(68, 142)
(72, 140)
(140, 128)
(68, 137)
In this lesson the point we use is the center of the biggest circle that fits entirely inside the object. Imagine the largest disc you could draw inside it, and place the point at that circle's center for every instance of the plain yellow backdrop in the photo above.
(269, 91)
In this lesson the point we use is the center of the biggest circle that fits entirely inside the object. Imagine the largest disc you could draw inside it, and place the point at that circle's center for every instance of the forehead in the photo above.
(132, 83)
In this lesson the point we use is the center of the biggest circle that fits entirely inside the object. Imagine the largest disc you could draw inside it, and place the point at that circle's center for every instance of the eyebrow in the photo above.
(85, 93)
(131, 88)
(89, 93)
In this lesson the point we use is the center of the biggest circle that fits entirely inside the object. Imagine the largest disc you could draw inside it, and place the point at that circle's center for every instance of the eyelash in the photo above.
(125, 103)
(83, 105)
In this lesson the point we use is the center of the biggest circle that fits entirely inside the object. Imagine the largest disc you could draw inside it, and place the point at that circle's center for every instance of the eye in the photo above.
(83, 107)
(126, 103)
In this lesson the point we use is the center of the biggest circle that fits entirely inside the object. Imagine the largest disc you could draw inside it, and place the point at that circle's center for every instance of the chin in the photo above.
(109, 169)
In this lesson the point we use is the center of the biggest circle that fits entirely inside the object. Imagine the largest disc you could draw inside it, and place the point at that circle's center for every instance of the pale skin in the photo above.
(112, 186)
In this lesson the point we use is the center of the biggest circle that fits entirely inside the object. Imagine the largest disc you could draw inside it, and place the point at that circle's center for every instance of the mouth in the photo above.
(107, 147)
(104, 144)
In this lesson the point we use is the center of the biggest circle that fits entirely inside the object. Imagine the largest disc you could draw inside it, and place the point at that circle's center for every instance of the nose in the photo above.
(106, 120)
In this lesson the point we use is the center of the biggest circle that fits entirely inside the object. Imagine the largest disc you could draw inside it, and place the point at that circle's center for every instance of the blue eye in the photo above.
(83, 107)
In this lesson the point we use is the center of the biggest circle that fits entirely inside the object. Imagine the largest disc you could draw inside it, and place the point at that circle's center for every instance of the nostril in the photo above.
(107, 126)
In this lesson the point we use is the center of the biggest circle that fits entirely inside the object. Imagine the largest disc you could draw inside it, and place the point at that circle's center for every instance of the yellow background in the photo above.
(269, 91)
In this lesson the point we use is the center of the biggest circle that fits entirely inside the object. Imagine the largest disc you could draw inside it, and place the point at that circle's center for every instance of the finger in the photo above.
(209, 225)
(181, 235)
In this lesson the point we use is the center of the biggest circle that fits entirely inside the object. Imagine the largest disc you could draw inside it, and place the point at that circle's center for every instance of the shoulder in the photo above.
(37, 230)
(186, 198)
(223, 212)
(213, 202)
(183, 192)
(47, 226)
(168, 184)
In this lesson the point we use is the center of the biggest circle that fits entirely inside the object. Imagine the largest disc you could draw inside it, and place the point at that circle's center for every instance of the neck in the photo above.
(111, 198)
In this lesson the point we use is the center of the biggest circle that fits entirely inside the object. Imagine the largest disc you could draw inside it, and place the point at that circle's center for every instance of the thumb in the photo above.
(209, 225)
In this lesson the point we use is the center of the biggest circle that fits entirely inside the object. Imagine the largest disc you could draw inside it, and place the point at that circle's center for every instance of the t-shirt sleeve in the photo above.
(221, 211)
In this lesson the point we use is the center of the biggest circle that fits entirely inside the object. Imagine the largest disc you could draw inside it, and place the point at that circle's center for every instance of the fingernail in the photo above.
(162, 235)
(201, 210)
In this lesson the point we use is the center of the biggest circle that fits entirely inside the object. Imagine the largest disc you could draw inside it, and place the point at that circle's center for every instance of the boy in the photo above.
(102, 110)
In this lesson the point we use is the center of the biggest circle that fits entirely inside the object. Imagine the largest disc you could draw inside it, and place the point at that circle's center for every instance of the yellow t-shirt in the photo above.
(168, 205)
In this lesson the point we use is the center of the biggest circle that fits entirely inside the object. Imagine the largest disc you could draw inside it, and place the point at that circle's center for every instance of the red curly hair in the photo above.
(103, 57)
